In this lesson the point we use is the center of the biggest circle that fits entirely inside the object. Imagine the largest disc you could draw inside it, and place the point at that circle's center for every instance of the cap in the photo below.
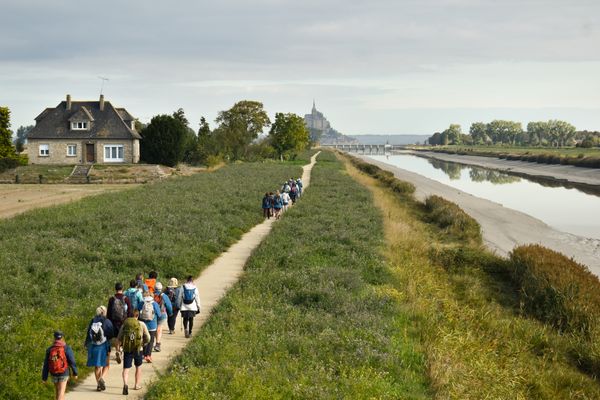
(157, 287)
(58, 335)
(173, 283)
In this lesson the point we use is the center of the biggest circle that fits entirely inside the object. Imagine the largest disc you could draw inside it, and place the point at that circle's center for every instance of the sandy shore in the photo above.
(504, 228)
(567, 173)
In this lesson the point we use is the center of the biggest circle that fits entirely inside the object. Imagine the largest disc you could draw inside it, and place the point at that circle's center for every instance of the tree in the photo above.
(478, 131)
(239, 126)
(164, 140)
(561, 132)
(22, 137)
(6, 146)
(190, 141)
(435, 139)
(452, 134)
(537, 132)
(288, 134)
(501, 131)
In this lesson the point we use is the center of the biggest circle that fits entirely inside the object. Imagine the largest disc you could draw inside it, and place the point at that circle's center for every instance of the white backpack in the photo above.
(147, 313)
(97, 333)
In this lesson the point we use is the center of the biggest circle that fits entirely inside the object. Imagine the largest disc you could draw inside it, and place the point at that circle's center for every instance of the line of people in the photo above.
(274, 204)
(131, 323)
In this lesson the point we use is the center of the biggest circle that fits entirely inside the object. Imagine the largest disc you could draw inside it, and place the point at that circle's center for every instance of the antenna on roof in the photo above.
(103, 80)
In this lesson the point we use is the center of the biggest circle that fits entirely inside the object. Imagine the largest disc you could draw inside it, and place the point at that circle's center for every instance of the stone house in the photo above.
(83, 132)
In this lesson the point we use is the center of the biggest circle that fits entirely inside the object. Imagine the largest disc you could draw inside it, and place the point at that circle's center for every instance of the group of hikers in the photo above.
(131, 323)
(273, 204)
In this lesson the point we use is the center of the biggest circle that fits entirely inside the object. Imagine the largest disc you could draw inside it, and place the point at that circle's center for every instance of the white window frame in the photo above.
(113, 152)
(44, 150)
(69, 153)
(79, 125)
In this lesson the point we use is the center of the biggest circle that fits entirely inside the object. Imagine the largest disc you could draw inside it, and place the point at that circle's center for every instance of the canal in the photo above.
(566, 210)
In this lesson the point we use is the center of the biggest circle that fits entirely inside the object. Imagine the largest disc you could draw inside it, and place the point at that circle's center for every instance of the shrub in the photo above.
(556, 289)
(453, 219)
(213, 160)
(7, 163)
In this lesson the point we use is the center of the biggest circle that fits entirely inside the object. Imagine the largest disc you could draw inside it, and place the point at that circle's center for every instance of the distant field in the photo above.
(564, 151)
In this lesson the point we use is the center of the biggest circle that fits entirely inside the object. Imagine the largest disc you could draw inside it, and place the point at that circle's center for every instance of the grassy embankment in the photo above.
(317, 314)
(492, 328)
(577, 156)
(31, 174)
(60, 263)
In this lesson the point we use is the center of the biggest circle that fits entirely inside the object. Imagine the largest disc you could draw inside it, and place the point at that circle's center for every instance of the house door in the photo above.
(89, 153)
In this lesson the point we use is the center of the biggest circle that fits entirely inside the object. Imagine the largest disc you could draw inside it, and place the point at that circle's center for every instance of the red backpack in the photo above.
(57, 359)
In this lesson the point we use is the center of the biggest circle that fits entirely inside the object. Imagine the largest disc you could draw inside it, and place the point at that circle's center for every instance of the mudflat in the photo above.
(16, 199)
(504, 228)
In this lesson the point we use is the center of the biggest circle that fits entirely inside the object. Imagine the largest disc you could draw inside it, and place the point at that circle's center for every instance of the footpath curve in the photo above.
(213, 283)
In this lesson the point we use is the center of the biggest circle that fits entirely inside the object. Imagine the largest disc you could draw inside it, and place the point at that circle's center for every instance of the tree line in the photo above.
(552, 133)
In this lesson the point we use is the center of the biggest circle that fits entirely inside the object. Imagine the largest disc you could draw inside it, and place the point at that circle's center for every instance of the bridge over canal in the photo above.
(366, 148)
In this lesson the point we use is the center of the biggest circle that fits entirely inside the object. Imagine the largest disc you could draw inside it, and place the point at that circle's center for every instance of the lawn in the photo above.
(317, 315)
(31, 174)
(60, 263)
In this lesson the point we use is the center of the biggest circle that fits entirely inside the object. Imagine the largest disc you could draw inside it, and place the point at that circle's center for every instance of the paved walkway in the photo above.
(212, 284)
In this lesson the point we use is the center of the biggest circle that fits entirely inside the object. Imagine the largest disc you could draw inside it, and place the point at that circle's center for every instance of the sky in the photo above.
(373, 67)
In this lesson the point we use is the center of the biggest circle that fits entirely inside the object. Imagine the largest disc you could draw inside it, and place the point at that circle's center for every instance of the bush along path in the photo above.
(212, 285)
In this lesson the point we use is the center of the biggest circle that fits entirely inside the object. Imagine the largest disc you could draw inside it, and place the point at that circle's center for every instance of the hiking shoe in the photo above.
(101, 385)
(125, 390)
(149, 359)
(187, 334)
(118, 357)
(157, 348)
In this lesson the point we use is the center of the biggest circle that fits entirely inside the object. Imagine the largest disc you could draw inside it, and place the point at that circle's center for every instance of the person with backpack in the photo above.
(59, 359)
(285, 198)
(189, 301)
(151, 281)
(166, 309)
(266, 206)
(139, 278)
(277, 205)
(294, 194)
(99, 333)
(285, 188)
(134, 294)
(133, 336)
(299, 185)
(172, 292)
(271, 204)
(149, 315)
(119, 308)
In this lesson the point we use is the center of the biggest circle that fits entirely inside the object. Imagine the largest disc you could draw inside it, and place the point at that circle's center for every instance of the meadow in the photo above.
(317, 314)
(60, 263)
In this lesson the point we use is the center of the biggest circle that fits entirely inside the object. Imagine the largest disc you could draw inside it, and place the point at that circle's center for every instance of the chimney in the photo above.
(68, 102)
(101, 102)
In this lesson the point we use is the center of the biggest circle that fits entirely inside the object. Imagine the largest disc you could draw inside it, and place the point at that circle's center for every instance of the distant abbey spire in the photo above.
(314, 106)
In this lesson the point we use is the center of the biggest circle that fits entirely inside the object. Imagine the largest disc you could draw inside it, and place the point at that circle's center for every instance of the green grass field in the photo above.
(60, 263)
(31, 173)
(317, 314)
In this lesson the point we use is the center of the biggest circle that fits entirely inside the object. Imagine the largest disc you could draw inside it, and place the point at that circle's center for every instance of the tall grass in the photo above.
(317, 314)
(60, 263)
(452, 219)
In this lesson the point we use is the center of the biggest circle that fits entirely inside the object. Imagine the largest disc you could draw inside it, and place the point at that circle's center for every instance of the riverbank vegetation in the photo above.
(316, 315)
(479, 340)
(60, 263)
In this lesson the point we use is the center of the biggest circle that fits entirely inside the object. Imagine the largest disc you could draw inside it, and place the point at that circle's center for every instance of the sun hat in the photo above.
(157, 287)
(173, 283)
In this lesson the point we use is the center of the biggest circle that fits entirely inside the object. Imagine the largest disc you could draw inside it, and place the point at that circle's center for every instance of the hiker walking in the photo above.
(119, 308)
(277, 205)
(151, 281)
(294, 193)
(299, 184)
(271, 204)
(266, 206)
(285, 198)
(149, 315)
(99, 333)
(172, 292)
(59, 359)
(189, 304)
(166, 309)
(139, 278)
(133, 335)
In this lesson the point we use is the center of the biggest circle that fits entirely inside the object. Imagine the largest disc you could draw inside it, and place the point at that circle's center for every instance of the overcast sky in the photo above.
(373, 66)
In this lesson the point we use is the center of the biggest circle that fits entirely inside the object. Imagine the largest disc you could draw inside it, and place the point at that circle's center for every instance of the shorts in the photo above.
(136, 358)
(60, 378)
(161, 322)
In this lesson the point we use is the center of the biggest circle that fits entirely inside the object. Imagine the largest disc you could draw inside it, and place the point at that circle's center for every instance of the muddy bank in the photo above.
(504, 228)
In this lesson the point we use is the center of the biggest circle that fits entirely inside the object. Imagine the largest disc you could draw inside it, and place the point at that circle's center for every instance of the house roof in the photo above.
(53, 123)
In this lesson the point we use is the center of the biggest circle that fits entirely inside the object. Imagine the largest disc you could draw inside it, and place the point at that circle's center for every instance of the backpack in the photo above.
(150, 283)
(189, 295)
(119, 309)
(132, 335)
(97, 333)
(161, 302)
(57, 360)
(170, 294)
(132, 295)
(147, 313)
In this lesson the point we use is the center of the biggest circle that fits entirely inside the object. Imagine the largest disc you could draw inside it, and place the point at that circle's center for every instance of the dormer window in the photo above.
(79, 125)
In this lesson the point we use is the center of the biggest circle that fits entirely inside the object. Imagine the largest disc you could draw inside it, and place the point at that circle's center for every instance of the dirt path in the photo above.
(16, 199)
(504, 228)
(212, 284)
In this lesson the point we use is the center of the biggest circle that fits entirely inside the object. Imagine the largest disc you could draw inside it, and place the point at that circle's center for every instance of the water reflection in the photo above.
(454, 172)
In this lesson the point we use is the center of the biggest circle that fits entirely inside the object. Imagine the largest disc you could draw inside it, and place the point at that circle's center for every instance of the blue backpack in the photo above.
(189, 295)
(133, 299)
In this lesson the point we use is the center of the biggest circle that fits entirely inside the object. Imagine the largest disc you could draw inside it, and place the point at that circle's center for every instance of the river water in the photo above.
(566, 210)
